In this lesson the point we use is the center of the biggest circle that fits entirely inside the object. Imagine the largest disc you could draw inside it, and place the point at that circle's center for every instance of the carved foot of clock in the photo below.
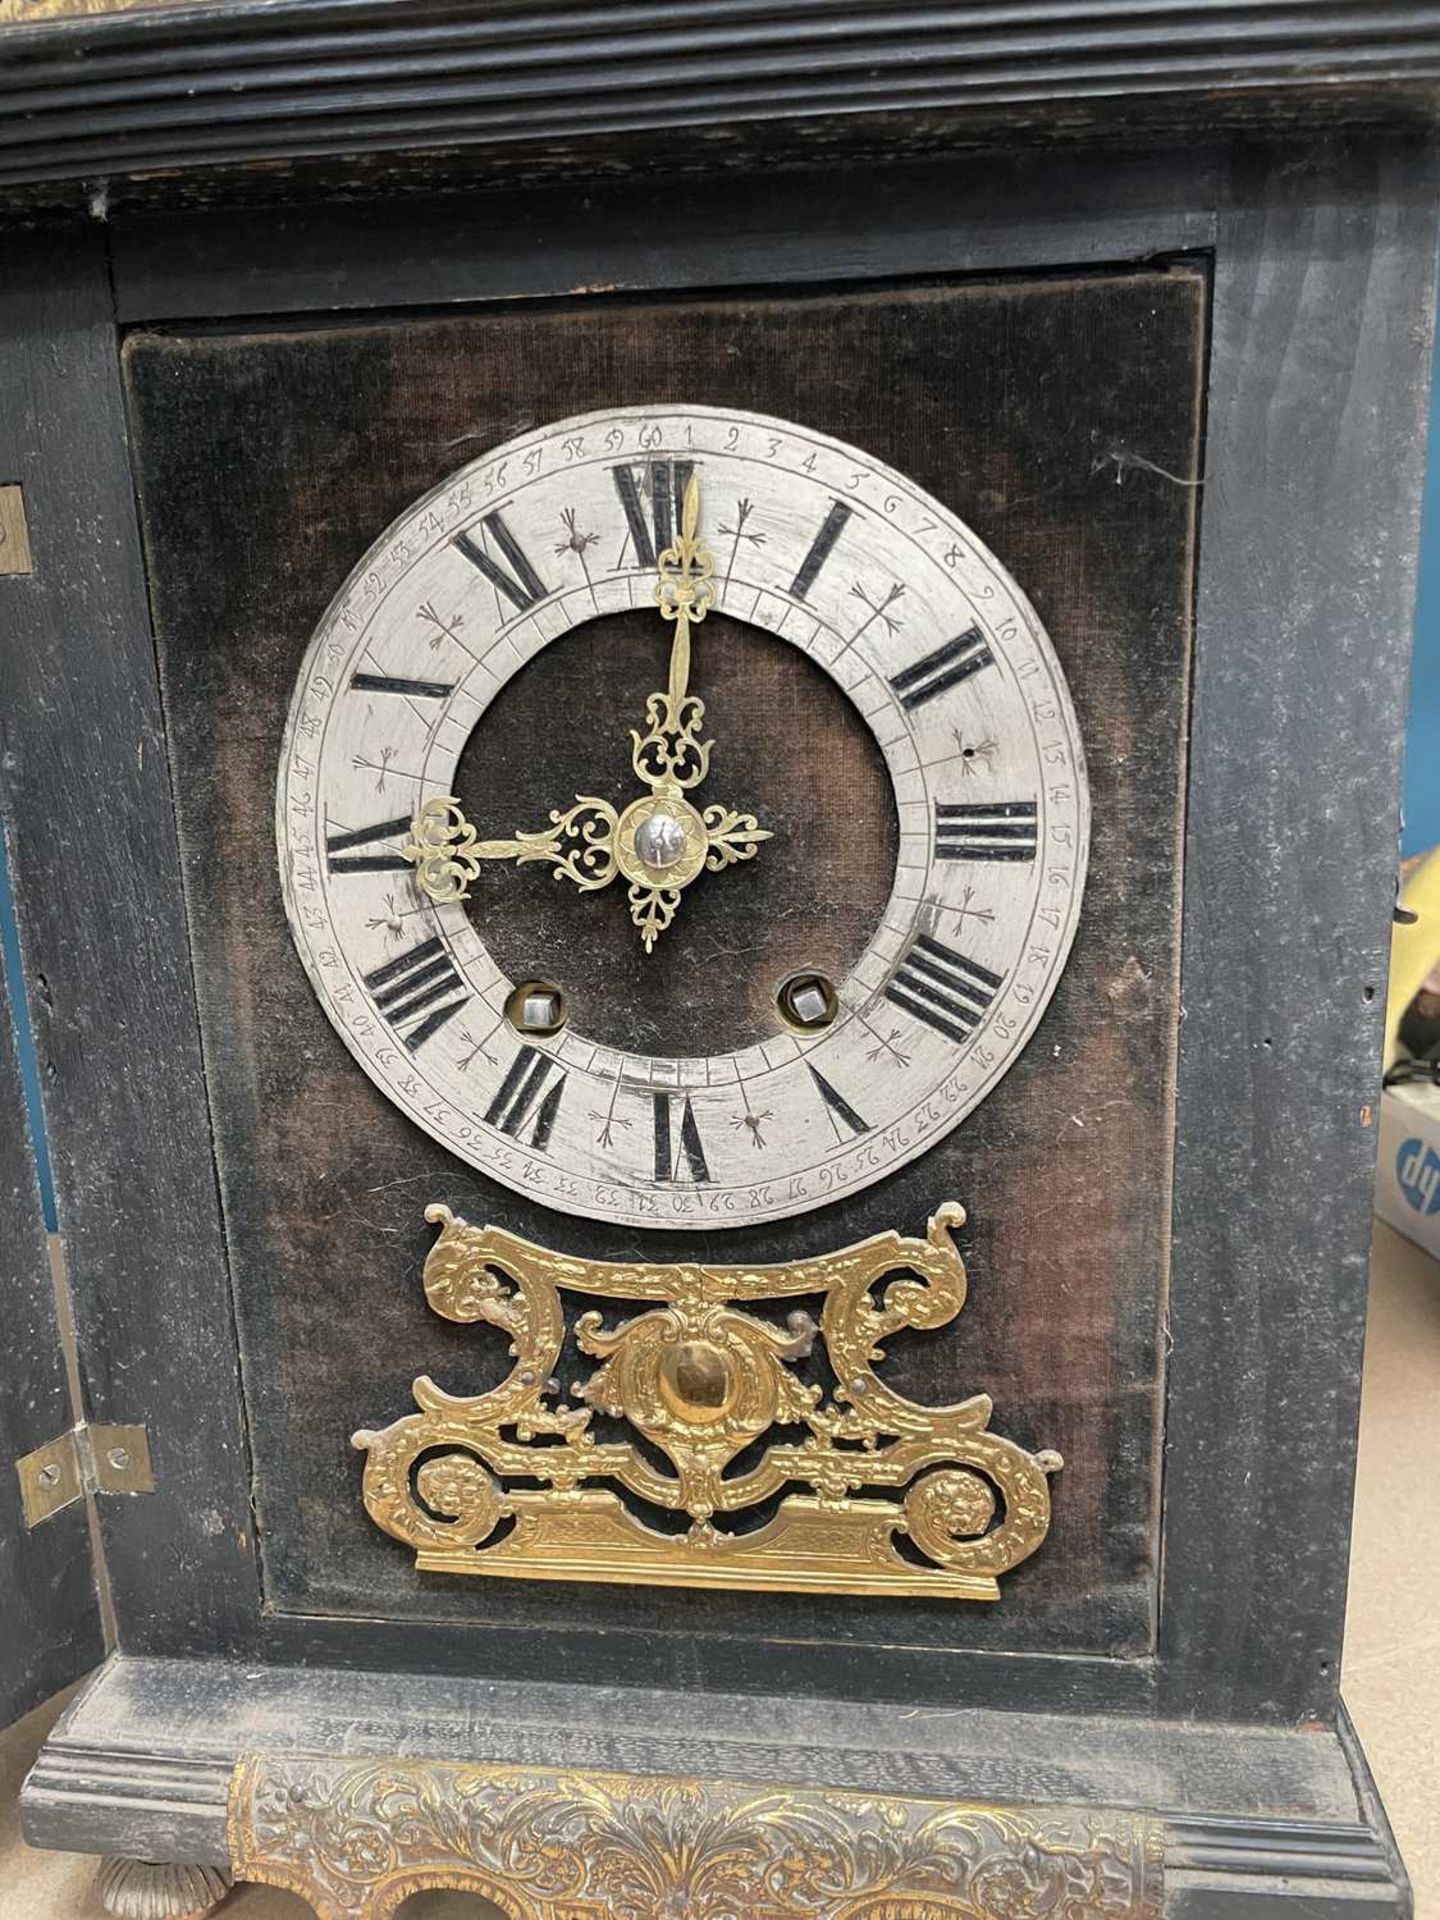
(158, 1889)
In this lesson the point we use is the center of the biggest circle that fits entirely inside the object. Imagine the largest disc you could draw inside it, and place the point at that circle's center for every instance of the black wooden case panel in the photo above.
(1061, 418)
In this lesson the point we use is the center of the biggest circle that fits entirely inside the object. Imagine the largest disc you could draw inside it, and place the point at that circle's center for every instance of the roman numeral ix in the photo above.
(692, 1152)
(997, 830)
(410, 987)
(339, 858)
(668, 480)
(946, 667)
(524, 1084)
(940, 986)
(521, 585)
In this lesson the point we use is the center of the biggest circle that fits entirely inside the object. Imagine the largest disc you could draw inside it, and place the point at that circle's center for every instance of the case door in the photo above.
(47, 1575)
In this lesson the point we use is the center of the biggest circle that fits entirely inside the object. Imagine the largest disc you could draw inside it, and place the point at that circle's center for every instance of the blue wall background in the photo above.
(1422, 738)
(24, 1040)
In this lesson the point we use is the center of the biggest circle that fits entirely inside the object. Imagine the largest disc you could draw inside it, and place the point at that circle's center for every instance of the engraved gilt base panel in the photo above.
(356, 1837)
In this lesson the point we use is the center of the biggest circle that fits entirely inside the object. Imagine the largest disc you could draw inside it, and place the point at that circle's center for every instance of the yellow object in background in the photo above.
(1414, 949)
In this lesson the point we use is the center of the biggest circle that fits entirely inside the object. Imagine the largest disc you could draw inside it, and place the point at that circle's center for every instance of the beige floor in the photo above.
(1392, 1661)
(1391, 1676)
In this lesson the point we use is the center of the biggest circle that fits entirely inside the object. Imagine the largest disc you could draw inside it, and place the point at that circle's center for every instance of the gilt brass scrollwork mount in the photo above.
(702, 1377)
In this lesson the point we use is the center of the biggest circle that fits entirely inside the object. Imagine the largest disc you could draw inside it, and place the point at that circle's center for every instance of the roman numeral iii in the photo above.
(940, 986)
(987, 830)
(410, 990)
(668, 480)
(946, 667)
(512, 574)
(524, 1084)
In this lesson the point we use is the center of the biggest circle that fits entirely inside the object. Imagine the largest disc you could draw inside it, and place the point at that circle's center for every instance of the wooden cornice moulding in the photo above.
(94, 88)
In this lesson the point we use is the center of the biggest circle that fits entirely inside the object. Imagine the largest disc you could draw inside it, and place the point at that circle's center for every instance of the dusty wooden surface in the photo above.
(171, 107)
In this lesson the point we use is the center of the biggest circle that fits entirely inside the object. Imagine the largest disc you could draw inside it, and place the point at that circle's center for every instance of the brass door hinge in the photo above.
(15, 554)
(86, 1459)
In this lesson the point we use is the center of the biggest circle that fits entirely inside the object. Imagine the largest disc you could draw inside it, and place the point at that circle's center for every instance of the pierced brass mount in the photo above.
(702, 1381)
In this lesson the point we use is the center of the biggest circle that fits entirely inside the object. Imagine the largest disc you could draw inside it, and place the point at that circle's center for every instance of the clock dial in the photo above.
(917, 624)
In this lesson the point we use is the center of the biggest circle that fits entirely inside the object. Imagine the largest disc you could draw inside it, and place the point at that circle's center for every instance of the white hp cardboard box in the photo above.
(1407, 1179)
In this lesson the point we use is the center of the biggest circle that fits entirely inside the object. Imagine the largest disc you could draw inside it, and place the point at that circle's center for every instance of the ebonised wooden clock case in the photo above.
(1174, 1648)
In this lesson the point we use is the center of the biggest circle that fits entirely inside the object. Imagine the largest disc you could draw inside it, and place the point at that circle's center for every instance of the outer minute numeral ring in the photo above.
(947, 666)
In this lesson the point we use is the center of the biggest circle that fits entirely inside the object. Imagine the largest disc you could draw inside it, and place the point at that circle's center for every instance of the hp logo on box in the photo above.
(1417, 1168)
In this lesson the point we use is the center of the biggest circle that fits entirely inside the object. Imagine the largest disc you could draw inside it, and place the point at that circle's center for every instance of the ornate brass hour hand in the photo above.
(659, 843)
(447, 851)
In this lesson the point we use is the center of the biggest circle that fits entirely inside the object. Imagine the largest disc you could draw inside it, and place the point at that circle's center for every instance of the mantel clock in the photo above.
(666, 766)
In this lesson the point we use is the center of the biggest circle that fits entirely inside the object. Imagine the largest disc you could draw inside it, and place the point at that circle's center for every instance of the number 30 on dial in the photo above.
(913, 619)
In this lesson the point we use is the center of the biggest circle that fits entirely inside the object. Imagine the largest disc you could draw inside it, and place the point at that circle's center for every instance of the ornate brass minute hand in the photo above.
(672, 751)
(660, 843)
